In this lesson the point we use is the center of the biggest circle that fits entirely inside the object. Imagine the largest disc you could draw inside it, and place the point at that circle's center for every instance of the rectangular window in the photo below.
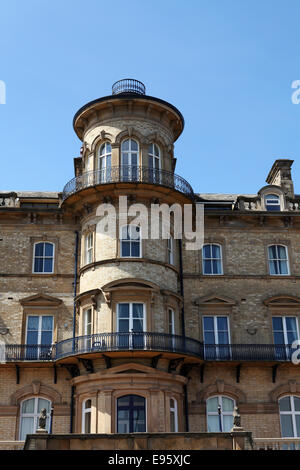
(89, 239)
(216, 337)
(131, 323)
(39, 336)
(212, 259)
(278, 260)
(170, 248)
(285, 331)
(43, 258)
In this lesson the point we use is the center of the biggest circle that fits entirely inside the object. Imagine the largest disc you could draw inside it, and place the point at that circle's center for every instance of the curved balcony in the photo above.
(147, 341)
(128, 174)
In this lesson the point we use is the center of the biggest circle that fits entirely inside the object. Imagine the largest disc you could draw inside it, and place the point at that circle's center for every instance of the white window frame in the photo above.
(271, 203)
(39, 327)
(215, 413)
(104, 171)
(43, 257)
(153, 156)
(284, 317)
(89, 247)
(130, 327)
(212, 259)
(86, 411)
(279, 259)
(130, 152)
(170, 250)
(35, 413)
(130, 241)
(175, 411)
(218, 350)
(293, 413)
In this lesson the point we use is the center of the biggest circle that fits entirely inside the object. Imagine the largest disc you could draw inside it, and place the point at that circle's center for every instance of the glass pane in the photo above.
(172, 421)
(137, 310)
(33, 323)
(124, 401)
(134, 159)
(32, 337)
(278, 338)
(108, 147)
(125, 249)
(277, 324)
(48, 249)
(156, 150)
(272, 252)
(27, 425)
(291, 323)
(212, 404)
(47, 323)
(138, 401)
(227, 423)
(213, 423)
(216, 267)
(297, 404)
(227, 404)
(298, 425)
(137, 325)
(216, 252)
(134, 145)
(209, 338)
(284, 404)
(28, 406)
(286, 426)
(46, 337)
(283, 267)
(222, 323)
(206, 251)
(273, 267)
(42, 403)
(134, 232)
(39, 249)
(208, 323)
(281, 252)
(88, 404)
(207, 267)
(123, 310)
(125, 144)
(135, 249)
(223, 338)
(38, 265)
(123, 326)
(48, 263)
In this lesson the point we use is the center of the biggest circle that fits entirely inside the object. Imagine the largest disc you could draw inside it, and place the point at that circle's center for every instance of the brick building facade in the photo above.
(122, 334)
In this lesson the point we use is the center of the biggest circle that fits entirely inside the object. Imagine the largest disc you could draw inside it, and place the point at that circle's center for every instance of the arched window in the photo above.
(86, 416)
(212, 259)
(219, 413)
(131, 414)
(154, 162)
(173, 415)
(29, 415)
(104, 162)
(278, 260)
(129, 160)
(130, 242)
(272, 202)
(43, 258)
(289, 409)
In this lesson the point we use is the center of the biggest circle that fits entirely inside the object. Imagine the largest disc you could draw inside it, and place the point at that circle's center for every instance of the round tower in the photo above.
(129, 332)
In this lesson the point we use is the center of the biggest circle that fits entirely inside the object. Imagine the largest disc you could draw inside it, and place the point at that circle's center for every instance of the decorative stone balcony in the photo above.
(148, 341)
(128, 174)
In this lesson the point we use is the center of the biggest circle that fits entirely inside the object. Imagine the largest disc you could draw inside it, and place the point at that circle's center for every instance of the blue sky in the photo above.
(228, 65)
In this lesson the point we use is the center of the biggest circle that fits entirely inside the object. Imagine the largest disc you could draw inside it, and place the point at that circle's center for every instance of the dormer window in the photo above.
(272, 202)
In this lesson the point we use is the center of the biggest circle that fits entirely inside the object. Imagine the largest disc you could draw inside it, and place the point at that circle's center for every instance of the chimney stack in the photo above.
(281, 175)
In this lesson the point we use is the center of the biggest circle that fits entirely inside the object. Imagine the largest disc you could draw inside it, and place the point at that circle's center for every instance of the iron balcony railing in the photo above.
(146, 341)
(128, 85)
(128, 174)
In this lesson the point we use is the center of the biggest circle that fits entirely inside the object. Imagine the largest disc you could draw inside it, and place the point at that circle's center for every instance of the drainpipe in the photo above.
(186, 403)
(75, 284)
(74, 325)
(72, 409)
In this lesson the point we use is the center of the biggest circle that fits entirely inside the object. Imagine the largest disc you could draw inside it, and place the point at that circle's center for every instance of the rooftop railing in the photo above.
(128, 174)
(148, 341)
(128, 85)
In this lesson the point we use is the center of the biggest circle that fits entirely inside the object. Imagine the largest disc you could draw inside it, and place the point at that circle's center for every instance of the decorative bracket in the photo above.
(274, 373)
(155, 360)
(54, 373)
(107, 361)
(87, 364)
(73, 369)
(17, 374)
(174, 363)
